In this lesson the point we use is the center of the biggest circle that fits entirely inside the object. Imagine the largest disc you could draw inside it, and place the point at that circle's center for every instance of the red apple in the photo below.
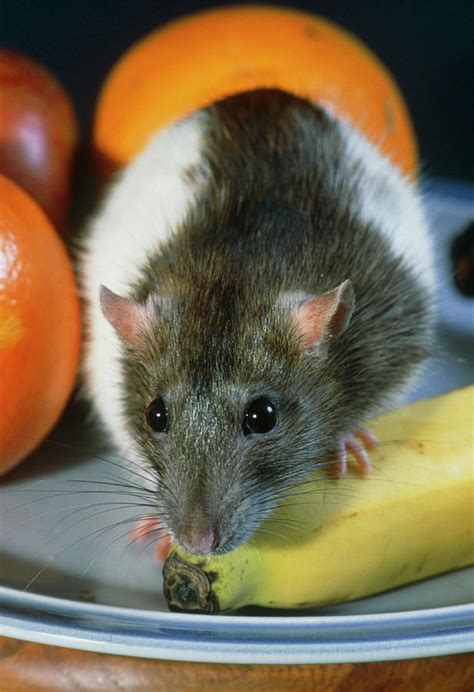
(38, 133)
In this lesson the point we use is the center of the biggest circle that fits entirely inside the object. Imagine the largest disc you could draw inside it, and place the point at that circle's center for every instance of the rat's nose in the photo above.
(199, 540)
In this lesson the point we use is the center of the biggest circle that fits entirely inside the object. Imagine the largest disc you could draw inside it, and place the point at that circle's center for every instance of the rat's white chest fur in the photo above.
(151, 199)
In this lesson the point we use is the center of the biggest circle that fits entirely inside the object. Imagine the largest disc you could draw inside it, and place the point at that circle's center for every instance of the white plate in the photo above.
(57, 554)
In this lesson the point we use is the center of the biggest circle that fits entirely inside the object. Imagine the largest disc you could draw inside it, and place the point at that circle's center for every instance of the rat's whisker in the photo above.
(67, 508)
(114, 482)
(116, 506)
(115, 540)
(256, 550)
(284, 540)
(290, 524)
(66, 493)
(72, 545)
(107, 460)
(154, 539)
(122, 487)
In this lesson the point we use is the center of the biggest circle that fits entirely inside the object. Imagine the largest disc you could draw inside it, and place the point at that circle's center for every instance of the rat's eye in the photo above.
(156, 416)
(260, 416)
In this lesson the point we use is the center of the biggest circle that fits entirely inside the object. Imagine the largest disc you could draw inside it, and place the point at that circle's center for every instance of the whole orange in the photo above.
(200, 58)
(39, 325)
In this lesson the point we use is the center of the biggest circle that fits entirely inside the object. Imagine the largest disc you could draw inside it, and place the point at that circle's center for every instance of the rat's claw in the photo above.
(358, 449)
(368, 438)
(338, 467)
(359, 453)
(145, 528)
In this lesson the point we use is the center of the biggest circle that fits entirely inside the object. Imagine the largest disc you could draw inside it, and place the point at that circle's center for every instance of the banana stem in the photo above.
(187, 587)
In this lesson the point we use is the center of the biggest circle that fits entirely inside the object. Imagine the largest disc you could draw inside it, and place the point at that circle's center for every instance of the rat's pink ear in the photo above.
(323, 317)
(128, 318)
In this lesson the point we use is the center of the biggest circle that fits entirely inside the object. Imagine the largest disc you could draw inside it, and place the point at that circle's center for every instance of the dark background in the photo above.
(428, 46)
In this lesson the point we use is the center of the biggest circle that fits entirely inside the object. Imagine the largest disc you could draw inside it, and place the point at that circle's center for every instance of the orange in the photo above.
(200, 58)
(39, 325)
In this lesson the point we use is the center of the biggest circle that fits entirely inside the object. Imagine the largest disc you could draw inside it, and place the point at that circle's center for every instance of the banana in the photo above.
(336, 540)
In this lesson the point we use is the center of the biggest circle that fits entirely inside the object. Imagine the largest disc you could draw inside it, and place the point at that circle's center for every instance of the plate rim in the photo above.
(235, 638)
(10, 597)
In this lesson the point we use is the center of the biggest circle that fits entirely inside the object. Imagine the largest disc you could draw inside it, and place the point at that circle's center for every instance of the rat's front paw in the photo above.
(147, 527)
(357, 443)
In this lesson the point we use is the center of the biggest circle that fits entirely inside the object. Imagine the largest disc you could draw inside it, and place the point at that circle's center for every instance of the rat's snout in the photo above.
(197, 535)
(198, 542)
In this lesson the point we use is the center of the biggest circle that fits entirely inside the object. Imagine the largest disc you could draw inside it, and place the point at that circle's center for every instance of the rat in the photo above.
(258, 283)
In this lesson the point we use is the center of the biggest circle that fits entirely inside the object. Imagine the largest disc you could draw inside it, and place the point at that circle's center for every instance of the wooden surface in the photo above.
(26, 667)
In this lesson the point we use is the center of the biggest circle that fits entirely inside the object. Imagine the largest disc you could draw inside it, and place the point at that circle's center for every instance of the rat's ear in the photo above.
(128, 318)
(322, 317)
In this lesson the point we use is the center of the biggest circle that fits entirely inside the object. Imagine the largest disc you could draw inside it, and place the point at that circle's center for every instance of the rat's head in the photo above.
(230, 405)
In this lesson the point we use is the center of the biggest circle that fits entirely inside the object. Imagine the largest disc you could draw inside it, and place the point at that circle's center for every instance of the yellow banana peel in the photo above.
(336, 540)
